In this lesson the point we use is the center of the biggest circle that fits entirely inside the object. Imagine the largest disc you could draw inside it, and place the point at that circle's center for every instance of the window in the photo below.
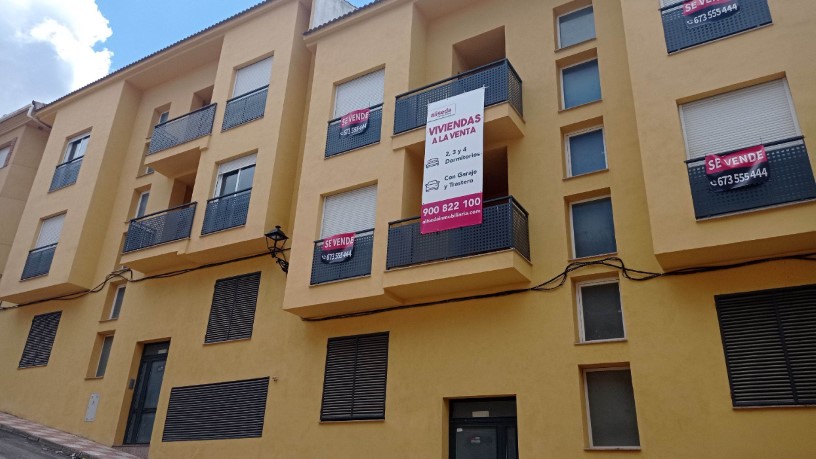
(104, 354)
(76, 148)
(363, 92)
(252, 77)
(163, 117)
(141, 204)
(611, 408)
(41, 336)
(233, 308)
(50, 230)
(5, 154)
(234, 176)
(599, 311)
(118, 298)
(576, 27)
(354, 384)
(586, 152)
(768, 339)
(581, 84)
(349, 212)
(593, 229)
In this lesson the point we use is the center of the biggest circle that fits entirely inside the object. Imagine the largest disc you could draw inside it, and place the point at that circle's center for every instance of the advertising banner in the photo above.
(355, 122)
(736, 170)
(700, 12)
(337, 248)
(452, 183)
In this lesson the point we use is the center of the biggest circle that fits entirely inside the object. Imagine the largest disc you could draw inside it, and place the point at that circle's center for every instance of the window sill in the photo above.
(586, 174)
(601, 341)
(352, 421)
(93, 378)
(104, 321)
(592, 257)
(575, 45)
(587, 104)
(613, 448)
(772, 407)
(237, 340)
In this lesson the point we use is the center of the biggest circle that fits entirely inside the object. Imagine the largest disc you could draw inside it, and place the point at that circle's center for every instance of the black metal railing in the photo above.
(65, 174)
(504, 226)
(183, 129)
(336, 144)
(245, 108)
(160, 227)
(359, 264)
(227, 211)
(680, 34)
(501, 82)
(38, 262)
(790, 179)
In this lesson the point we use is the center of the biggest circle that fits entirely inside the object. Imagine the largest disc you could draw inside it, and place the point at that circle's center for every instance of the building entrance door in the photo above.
(483, 429)
(146, 394)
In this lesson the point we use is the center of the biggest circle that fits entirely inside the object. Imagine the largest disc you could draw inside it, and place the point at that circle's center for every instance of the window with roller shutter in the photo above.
(365, 92)
(233, 308)
(249, 93)
(769, 340)
(355, 379)
(40, 340)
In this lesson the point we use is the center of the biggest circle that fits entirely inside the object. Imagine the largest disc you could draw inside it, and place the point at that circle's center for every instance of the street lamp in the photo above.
(278, 239)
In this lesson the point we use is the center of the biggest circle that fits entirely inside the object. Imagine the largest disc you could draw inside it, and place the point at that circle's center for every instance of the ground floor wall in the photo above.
(521, 345)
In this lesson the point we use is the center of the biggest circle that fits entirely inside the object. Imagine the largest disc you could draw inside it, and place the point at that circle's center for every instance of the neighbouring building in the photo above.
(642, 282)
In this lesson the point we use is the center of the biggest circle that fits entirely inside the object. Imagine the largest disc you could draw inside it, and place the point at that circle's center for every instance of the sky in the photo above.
(49, 48)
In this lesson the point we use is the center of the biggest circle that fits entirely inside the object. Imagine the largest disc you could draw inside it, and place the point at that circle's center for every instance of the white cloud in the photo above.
(49, 49)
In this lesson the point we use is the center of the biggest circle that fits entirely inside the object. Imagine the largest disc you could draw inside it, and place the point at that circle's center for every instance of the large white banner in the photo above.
(452, 185)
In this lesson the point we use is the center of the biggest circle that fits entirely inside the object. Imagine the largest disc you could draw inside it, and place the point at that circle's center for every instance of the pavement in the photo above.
(24, 439)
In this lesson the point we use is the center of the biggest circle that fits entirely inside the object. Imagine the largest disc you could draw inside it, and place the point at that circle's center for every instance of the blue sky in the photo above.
(52, 47)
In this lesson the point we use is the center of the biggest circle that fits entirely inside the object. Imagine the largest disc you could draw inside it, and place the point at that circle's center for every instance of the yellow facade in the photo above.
(526, 345)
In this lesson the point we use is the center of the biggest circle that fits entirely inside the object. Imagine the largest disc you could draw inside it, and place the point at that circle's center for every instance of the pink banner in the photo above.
(452, 213)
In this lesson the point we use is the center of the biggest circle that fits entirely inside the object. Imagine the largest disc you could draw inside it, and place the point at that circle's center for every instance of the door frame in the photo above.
(501, 423)
(135, 414)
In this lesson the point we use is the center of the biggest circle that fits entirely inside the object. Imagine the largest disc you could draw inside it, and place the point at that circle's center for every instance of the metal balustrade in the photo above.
(359, 264)
(160, 227)
(500, 80)
(227, 211)
(790, 180)
(38, 262)
(182, 129)
(504, 226)
(65, 174)
(679, 35)
(335, 144)
(245, 108)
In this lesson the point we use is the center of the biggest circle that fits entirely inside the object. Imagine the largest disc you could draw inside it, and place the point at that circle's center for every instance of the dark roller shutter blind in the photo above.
(354, 384)
(769, 339)
(233, 308)
(217, 411)
(37, 349)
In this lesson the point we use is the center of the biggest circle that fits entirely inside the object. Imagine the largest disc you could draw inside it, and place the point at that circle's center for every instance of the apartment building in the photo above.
(641, 282)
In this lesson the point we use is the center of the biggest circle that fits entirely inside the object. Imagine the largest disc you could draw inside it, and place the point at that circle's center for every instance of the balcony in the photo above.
(245, 108)
(501, 82)
(38, 262)
(335, 144)
(681, 35)
(182, 129)
(501, 242)
(228, 211)
(359, 265)
(160, 228)
(790, 180)
(65, 174)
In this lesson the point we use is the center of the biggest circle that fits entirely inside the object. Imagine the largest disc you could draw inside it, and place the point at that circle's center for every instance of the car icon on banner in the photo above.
(432, 185)
(431, 163)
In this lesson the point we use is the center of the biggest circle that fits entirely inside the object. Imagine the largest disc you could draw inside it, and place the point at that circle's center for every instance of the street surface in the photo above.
(13, 446)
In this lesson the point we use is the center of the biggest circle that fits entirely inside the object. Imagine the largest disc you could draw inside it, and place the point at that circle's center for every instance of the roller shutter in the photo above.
(363, 92)
(41, 336)
(349, 212)
(50, 230)
(252, 77)
(233, 308)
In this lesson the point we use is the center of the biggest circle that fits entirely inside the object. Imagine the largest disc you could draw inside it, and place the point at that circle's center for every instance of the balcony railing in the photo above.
(38, 262)
(335, 144)
(245, 108)
(680, 34)
(228, 211)
(504, 226)
(182, 129)
(500, 80)
(66, 174)
(160, 227)
(790, 179)
(359, 264)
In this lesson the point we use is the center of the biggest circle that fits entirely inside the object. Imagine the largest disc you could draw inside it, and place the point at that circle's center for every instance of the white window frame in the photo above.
(558, 25)
(584, 372)
(360, 231)
(5, 161)
(99, 357)
(119, 293)
(579, 301)
(143, 195)
(337, 86)
(567, 150)
(236, 70)
(39, 230)
(572, 226)
(225, 168)
(73, 140)
(163, 117)
(561, 75)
